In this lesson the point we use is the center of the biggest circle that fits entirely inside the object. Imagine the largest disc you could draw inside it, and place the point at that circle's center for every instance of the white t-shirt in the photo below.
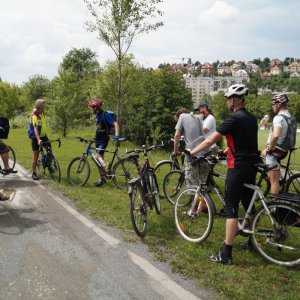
(210, 123)
(279, 121)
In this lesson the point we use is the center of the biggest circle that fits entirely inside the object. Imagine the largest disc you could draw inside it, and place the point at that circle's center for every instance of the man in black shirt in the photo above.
(240, 130)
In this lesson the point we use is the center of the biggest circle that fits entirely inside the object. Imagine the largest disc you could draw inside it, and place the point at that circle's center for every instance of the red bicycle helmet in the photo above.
(280, 98)
(95, 103)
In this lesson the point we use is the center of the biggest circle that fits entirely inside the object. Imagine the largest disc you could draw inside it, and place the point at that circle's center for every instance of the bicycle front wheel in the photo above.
(293, 184)
(154, 192)
(161, 170)
(12, 159)
(124, 170)
(78, 172)
(54, 168)
(173, 183)
(194, 215)
(276, 236)
(138, 209)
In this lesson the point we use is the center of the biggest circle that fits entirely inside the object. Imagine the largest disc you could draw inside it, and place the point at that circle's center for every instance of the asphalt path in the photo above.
(48, 250)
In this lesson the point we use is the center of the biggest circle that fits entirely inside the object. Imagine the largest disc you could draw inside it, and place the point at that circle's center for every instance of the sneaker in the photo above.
(3, 197)
(218, 258)
(34, 176)
(247, 246)
(100, 182)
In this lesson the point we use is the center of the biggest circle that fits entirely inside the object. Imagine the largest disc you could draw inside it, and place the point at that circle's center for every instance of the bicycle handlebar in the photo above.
(51, 141)
(81, 139)
(145, 149)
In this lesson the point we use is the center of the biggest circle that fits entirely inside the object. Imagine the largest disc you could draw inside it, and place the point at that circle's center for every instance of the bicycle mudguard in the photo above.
(295, 198)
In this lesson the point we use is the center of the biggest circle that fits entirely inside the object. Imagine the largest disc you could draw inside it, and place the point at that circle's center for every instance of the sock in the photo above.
(227, 250)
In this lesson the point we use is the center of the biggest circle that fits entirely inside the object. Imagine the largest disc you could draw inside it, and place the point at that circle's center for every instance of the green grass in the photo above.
(250, 277)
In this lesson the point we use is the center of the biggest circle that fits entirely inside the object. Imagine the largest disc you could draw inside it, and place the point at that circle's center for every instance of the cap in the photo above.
(39, 103)
(202, 104)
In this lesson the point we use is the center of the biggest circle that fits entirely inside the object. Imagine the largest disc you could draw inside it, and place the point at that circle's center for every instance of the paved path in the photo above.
(50, 251)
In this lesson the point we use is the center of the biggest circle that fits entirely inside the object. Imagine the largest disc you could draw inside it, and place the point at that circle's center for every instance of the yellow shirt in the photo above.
(40, 122)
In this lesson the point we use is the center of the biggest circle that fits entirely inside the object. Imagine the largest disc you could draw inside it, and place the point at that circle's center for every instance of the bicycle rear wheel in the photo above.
(124, 170)
(276, 237)
(138, 210)
(154, 192)
(161, 170)
(293, 184)
(173, 183)
(193, 226)
(53, 167)
(12, 159)
(78, 172)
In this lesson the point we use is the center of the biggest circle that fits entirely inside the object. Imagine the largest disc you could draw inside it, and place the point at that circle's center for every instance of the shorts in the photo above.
(235, 192)
(3, 148)
(101, 145)
(34, 143)
(274, 158)
(195, 174)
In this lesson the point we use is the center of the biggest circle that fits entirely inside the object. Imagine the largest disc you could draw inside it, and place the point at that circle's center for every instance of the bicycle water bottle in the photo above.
(102, 162)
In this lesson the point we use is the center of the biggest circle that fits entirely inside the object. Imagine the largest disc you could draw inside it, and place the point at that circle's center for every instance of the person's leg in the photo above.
(274, 174)
(101, 170)
(35, 156)
(5, 158)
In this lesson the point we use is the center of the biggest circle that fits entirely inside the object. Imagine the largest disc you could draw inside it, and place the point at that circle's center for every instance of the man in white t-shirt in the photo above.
(275, 152)
(209, 121)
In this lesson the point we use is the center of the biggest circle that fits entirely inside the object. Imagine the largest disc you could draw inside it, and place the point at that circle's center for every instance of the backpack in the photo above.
(289, 141)
(112, 114)
(30, 131)
(4, 127)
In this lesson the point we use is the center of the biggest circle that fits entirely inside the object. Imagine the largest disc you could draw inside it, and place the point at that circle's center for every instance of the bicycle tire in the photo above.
(276, 236)
(173, 183)
(124, 170)
(54, 168)
(138, 211)
(153, 187)
(194, 228)
(78, 172)
(12, 159)
(293, 184)
(161, 170)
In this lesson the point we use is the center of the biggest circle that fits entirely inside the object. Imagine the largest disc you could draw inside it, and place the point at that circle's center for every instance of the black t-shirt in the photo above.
(240, 129)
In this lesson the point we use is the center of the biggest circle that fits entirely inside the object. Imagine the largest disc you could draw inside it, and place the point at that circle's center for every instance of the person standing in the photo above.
(104, 122)
(37, 131)
(240, 129)
(209, 121)
(191, 127)
(278, 140)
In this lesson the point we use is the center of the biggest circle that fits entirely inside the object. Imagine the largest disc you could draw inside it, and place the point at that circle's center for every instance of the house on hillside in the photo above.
(275, 70)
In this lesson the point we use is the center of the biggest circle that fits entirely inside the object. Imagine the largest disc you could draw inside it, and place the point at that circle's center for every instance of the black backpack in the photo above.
(290, 139)
(4, 127)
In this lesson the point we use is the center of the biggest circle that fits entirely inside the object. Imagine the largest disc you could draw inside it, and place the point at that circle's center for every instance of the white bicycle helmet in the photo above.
(236, 89)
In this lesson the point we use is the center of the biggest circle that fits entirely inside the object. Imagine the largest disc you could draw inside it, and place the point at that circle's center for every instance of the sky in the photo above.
(35, 35)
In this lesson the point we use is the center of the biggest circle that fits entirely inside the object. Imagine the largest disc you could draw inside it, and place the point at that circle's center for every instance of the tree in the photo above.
(67, 103)
(117, 23)
(82, 62)
(163, 91)
(10, 101)
(36, 87)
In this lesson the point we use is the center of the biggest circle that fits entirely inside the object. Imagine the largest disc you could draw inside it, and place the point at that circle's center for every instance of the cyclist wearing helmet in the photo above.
(240, 129)
(104, 122)
(275, 151)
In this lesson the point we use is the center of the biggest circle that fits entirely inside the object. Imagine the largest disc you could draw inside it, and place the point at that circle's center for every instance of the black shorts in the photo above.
(3, 147)
(34, 143)
(235, 190)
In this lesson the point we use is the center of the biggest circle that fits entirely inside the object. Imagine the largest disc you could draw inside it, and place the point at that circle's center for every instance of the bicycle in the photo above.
(163, 167)
(79, 169)
(174, 181)
(12, 159)
(143, 193)
(273, 228)
(289, 182)
(48, 161)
